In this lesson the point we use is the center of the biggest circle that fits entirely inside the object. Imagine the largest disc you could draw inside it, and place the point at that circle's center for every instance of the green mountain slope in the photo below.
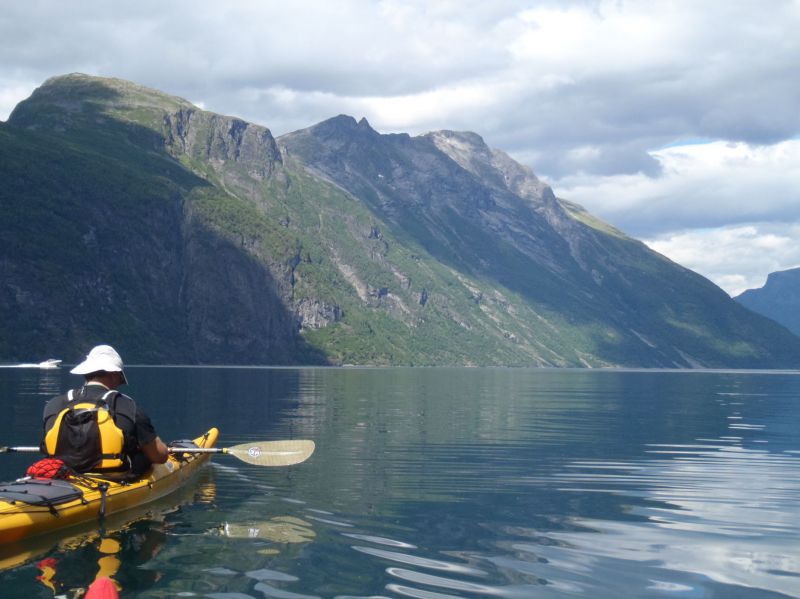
(134, 218)
(585, 291)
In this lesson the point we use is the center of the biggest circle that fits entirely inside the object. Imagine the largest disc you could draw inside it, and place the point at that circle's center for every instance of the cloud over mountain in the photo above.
(591, 88)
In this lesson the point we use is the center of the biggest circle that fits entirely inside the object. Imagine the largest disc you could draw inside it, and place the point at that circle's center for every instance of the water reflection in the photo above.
(40, 382)
(439, 483)
(279, 529)
(65, 573)
(118, 547)
(724, 512)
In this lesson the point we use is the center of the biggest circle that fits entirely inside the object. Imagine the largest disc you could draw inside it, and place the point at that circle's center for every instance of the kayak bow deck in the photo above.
(38, 506)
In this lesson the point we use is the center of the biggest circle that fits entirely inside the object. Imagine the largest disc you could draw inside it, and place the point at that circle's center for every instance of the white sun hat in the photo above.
(102, 358)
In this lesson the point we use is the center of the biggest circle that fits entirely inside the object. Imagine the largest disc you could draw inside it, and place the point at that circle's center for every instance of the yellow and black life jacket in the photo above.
(85, 436)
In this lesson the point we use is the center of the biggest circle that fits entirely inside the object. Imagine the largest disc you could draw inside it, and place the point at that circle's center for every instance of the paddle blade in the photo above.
(273, 453)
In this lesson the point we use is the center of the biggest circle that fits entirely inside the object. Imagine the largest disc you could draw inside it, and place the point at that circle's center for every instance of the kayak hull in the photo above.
(20, 521)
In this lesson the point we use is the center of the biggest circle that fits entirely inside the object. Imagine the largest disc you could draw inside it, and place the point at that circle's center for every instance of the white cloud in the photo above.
(431, 109)
(558, 37)
(730, 211)
(582, 91)
(735, 258)
(555, 76)
(700, 185)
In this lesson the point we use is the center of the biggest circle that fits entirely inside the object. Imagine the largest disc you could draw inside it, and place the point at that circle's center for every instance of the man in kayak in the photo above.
(95, 427)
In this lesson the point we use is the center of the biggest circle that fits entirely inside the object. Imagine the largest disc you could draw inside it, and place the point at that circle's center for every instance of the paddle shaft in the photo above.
(261, 453)
(170, 449)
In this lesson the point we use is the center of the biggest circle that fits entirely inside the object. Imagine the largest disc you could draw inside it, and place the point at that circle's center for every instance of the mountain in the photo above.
(778, 299)
(134, 218)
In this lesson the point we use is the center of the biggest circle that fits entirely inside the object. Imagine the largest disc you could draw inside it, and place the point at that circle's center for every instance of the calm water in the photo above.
(437, 483)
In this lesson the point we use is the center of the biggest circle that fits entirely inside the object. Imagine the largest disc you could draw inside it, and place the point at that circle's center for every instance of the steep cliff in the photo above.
(179, 235)
(108, 235)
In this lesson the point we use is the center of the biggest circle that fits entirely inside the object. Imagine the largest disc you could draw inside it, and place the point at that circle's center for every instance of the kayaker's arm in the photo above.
(156, 451)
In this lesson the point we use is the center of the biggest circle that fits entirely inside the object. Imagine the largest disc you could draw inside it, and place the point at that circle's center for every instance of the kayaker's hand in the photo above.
(156, 451)
(173, 445)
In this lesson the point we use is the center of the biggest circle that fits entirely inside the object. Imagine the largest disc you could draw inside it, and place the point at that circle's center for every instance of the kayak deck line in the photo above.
(95, 495)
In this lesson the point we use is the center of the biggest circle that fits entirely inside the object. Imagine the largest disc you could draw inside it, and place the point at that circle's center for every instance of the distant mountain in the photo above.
(133, 217)
(778, 299)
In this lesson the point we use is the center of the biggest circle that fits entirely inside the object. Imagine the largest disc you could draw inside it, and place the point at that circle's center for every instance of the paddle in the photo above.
(258, 453)
(261, 453)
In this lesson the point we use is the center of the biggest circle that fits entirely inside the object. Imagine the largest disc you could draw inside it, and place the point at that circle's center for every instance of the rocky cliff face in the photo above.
(221, 141)
(95, 249)
(778, 299)
(134, 218)
(416, 185)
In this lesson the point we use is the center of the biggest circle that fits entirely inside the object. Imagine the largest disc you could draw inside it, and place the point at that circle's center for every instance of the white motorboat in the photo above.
(50, 363)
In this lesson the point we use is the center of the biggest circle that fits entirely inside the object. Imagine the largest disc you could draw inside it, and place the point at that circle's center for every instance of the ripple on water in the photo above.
(380, 540)
(420, 562)
(721, 512)
(455, 585)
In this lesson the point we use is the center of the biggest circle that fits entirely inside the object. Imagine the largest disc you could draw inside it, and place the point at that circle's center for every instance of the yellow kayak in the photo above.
(34, 507)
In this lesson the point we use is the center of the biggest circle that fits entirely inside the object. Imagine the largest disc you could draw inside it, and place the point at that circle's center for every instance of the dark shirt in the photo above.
(128, 416)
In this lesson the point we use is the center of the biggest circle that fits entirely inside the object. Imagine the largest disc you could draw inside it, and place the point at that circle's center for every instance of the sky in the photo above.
(677, 121)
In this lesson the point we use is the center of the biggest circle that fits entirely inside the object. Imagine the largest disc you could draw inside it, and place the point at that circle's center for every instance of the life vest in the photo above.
(85, 436)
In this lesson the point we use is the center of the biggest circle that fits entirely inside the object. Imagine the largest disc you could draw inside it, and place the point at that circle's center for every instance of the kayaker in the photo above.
(95, 427)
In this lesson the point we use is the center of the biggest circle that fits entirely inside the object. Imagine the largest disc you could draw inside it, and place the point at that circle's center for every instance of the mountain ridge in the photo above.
(334, 244)
(778, 299)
